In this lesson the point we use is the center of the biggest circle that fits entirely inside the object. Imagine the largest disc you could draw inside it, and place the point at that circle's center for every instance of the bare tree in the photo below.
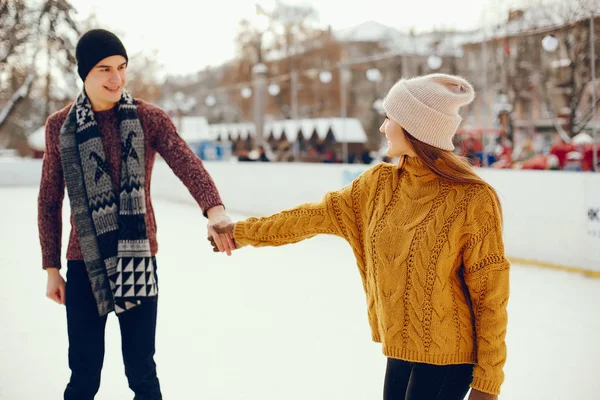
(517, 63)
(16, 31)
(249, 42)
(14, 28)
(27, 32)
(13, 132)
(59, 35)
(526, 74)
(567, 73)
(293, 24)
(143, 77)
(290, 28)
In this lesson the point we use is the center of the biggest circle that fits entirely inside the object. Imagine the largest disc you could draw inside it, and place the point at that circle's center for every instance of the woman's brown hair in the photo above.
(448, 166)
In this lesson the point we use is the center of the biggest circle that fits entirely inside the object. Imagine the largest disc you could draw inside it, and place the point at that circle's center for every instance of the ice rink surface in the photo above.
(278, 323)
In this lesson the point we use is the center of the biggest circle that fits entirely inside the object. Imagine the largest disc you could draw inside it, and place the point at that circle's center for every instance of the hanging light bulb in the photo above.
(434, 61)
(550, 43)
(373, 75)
(246, 92)
(210, 100)
(325, 76)
(274, 89)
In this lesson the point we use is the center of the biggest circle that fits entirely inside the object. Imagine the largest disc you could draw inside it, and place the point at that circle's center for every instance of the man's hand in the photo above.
(55, 289)
(226, 229)
(477, 395)
(218, 229)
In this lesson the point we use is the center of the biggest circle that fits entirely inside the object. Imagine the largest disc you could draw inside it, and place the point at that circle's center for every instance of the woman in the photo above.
(427, 236)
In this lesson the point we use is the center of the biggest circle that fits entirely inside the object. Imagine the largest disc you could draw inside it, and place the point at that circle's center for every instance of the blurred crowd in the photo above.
(576, 155)
(500, 153)
(317, 152)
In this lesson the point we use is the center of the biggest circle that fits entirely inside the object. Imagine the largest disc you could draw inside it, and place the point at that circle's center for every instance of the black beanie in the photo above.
(93, 47)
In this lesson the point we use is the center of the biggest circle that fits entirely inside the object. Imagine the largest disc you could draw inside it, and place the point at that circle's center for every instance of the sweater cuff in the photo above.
(238, 235)
(486, 386)
(210, 202)
(51, 262)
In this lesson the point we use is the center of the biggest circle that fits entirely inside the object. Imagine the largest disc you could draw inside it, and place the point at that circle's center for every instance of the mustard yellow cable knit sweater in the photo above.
(431, 258)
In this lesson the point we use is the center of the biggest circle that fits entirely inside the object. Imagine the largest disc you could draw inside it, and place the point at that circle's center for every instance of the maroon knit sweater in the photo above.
(160, 135)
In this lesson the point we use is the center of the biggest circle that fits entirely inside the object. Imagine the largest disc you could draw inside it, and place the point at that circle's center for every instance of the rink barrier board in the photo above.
(551, 218)
(539, 264)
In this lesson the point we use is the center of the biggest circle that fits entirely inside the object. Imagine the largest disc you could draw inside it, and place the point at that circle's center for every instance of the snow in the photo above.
(370, 31)
(449, 43)
(37, 140)
(20, 93)
(276, 323)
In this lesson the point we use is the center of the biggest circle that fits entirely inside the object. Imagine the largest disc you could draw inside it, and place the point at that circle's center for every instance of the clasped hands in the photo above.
(220, 231)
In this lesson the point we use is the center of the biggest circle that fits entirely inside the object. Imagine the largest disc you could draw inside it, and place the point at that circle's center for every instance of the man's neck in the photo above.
(102, 106)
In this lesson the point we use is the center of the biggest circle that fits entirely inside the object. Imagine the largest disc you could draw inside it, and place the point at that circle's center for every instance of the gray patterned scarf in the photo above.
(111, 226)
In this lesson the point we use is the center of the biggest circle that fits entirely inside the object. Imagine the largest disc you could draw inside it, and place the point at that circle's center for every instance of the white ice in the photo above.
(277, 323)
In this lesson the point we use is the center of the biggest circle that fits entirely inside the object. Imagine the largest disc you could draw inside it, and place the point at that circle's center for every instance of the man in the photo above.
(102, 149)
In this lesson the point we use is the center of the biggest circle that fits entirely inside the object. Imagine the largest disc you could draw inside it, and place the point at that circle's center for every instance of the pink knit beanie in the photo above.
(427, 107)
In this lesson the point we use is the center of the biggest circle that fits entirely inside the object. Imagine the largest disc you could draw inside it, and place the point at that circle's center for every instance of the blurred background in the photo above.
(312, 76)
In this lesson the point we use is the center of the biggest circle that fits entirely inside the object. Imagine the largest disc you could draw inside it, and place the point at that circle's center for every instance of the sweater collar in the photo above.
(416, 169)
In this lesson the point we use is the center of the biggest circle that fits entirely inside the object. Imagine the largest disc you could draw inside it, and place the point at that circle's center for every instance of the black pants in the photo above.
(86, 341)
(414, 381)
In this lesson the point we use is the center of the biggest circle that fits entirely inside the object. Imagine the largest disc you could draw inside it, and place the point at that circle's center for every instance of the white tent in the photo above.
(192, 129)
(348, 130)
(307, 127)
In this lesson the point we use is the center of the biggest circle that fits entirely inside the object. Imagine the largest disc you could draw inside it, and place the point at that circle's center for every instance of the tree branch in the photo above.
(561, 132)
(17, 97)
(12, 25)
(589, 114)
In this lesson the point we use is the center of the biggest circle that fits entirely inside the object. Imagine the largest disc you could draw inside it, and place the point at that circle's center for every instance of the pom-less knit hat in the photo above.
(427, 107)
(94, 46)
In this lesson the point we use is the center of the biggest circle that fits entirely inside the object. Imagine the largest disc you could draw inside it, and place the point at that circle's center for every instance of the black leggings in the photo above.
(414, 381)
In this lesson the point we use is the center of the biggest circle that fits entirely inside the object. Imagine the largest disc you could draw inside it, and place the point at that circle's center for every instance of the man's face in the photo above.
(104, 83)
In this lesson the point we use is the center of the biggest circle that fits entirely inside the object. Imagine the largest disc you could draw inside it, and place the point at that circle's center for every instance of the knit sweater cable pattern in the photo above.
(431, 258)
